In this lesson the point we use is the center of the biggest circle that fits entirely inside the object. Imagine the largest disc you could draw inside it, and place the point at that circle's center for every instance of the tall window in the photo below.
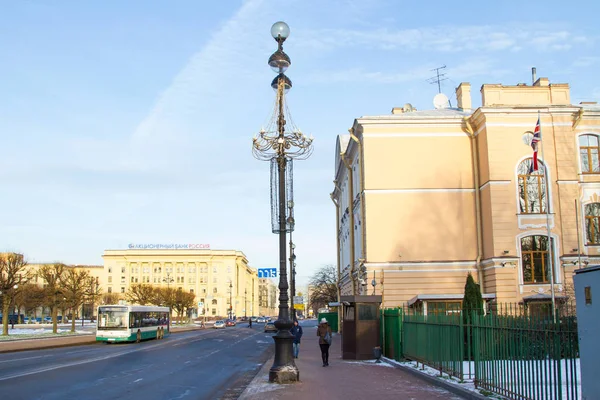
(534, 259)
(532, 188)
(592, 223)
(588, 150)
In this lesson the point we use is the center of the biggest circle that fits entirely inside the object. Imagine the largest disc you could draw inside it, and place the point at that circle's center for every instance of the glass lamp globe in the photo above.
(287, 83)
(280, 30)
(279, 61)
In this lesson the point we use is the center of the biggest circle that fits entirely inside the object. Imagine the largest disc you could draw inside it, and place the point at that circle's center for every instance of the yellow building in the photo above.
(425, 197)
(215, 276)
(268, 297)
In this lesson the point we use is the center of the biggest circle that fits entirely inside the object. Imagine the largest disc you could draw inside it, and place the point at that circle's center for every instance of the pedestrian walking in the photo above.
(324, 334)
(297, 332)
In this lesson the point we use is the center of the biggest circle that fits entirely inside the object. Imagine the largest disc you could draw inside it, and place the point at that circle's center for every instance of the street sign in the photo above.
(267, 272)
(299, 306)
(298, 300)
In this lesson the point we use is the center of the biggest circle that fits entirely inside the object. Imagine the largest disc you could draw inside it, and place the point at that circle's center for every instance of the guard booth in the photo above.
(360, 326)
(587, 290)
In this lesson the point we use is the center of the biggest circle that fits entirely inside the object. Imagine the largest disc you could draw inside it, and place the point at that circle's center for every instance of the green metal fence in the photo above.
(438, 341)
(391, 333)
(516, 351)
(521, 353)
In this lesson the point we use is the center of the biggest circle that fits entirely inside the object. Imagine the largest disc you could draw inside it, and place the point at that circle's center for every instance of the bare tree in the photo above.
(165, 297)
(324, 287)
(183, 302)
(53, 275)
(141, 294)
(94, 293)
(110, 298)
(75, 285)
(13, 273)
(30, 297)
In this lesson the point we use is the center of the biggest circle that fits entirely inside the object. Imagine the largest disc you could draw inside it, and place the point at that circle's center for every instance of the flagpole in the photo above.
(549, 243)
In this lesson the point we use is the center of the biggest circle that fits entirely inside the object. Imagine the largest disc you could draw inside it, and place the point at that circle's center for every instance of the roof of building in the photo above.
(441, 113)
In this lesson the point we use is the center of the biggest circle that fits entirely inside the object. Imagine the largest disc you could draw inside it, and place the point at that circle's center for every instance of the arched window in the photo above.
(534, 259)
(592, 223)
(532, 188)
(588, 151)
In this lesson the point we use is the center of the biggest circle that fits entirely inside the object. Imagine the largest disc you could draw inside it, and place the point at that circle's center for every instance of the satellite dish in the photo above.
(408, 107)
(441, 101)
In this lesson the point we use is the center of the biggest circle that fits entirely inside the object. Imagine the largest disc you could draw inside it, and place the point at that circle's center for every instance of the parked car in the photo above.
(253, 319)
(230, 322)
(219, 324)
(47, 320)
(260, 320)
(270, 327)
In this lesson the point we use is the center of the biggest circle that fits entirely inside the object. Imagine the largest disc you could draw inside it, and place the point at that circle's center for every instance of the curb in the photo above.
(457, 390)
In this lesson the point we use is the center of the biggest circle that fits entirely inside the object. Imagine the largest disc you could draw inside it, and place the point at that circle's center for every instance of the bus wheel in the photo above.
(138, 337)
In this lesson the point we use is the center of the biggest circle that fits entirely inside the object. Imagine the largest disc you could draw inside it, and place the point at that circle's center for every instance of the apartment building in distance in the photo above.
(218, 278)
(268, 295)
(425, 197)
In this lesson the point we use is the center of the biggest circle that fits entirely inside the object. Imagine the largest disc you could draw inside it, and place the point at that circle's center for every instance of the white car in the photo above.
(219, 324)
(261, 320)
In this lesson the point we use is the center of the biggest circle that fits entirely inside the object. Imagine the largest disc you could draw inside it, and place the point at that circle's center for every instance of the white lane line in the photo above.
(137, 380)
(26, 358)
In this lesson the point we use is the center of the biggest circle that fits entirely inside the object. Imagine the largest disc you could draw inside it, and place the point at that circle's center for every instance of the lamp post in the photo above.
(245, 302)
(230, 302)
(291, 222)
(168, 280)
(279, 146)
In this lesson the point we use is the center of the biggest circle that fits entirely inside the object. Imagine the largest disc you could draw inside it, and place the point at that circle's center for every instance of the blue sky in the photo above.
(131, 122)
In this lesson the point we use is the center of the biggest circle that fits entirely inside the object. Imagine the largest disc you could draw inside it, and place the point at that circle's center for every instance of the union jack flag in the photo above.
(537, 137)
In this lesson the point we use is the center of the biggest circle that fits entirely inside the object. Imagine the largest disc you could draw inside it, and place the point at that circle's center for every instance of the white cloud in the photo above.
(445, 38)
(587, 61)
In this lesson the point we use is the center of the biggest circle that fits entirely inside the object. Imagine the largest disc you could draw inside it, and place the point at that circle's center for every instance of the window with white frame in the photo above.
(534, 259)
(592, 223)
(531, 188)
(588, 152)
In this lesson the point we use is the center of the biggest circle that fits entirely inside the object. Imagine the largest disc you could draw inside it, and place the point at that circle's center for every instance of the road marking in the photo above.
(106, 357)
(137, 380)
(26, 358)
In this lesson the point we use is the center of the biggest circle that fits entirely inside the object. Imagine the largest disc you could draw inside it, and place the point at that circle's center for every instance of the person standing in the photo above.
(297, 332)
(324, 334)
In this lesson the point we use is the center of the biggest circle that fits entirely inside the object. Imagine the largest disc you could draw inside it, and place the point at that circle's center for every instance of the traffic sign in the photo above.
(298, 300)
(267, 272)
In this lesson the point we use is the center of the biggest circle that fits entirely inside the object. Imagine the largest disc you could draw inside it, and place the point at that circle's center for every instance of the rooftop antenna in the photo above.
(438, 78)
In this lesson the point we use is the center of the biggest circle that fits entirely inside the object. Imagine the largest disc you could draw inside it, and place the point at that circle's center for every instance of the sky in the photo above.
(132, 122)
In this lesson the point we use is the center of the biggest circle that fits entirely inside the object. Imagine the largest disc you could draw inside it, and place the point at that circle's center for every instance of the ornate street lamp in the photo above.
(280, 147)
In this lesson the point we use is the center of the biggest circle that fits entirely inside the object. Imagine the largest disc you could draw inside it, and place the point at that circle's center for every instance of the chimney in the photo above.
(463, 96)
(533, 75)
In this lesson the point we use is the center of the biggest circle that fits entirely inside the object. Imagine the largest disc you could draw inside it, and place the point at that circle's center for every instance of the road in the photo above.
(202, 364)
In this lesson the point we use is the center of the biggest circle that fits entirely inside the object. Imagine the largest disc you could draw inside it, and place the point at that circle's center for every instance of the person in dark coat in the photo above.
(297, 332)
(324, 334)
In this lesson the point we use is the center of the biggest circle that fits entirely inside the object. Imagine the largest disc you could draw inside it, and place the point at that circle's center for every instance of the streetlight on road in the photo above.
(230, 300)
(168, 280)
(280, 147)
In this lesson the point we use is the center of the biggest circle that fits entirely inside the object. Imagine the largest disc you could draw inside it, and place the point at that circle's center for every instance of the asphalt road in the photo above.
(203, 364)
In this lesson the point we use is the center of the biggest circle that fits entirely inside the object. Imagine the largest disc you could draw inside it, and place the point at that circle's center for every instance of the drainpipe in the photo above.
(351, 212)
(475, 157)
(337, 242)
(361, 193)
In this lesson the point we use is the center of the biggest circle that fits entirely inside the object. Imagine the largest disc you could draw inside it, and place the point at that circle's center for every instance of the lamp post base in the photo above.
(284, 370)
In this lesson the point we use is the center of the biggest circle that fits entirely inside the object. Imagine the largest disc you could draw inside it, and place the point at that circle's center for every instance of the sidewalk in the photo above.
(63, 341)
(343, 379)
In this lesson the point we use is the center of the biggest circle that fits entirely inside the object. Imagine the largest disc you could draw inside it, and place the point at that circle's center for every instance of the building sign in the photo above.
(168, 246)
(267, 272)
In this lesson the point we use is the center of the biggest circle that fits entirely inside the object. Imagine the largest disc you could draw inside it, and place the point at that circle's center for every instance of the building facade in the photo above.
(218, 278)
(425, 197)
(268, 294)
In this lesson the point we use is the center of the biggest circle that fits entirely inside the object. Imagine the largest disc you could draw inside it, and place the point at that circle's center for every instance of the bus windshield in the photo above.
(112, 318)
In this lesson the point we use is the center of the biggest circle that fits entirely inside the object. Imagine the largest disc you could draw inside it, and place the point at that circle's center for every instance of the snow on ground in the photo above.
(24, 333)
